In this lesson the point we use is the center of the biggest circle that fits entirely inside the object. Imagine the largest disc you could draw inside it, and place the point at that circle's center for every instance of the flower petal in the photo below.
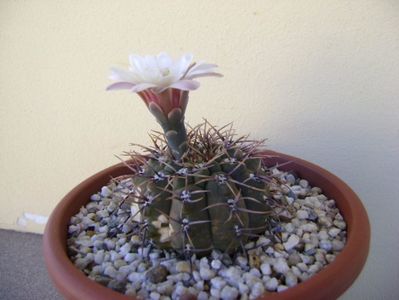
(203, 66)
(160, 72)
(200, 69)
(142, 86)
(120, 86)
(151, 62)
(183, 64)
(136, 62)
(120, 75)
(197, 75)
(164, 60)
(185, 85)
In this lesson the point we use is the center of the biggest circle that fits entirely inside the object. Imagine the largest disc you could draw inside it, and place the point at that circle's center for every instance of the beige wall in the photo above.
(320, 79)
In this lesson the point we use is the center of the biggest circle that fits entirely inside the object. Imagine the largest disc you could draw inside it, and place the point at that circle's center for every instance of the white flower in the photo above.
(161, 72)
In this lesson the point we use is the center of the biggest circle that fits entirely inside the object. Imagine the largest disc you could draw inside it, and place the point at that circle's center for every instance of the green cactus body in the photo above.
(214, 197)
(225, 204)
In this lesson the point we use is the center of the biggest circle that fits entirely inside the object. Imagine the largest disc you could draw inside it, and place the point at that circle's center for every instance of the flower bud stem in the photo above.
(176, 137)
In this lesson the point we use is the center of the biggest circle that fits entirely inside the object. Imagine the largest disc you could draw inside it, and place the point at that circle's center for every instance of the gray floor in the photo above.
(22, 271)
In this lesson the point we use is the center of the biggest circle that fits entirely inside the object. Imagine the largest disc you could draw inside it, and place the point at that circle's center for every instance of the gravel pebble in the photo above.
(95, 197)
(155, 296)
(309, 227)
(216, 264)
(218, 282)
(271, 284)
(243, 288)
(330, 258)
(257, 290)
(303, 183)
(242, 261)
(183, 267)
(333, 232)
(294, 259)
(326, 245)
(206, 273)
(202, 296)
(157, 274)
(233, 275)
(229, 293)
(302, 214)
(105, 191)
(266, 269)
(125, 249)
(292, 241)
(281, 288)
(337, 245)
(290, 279)
(280, 266)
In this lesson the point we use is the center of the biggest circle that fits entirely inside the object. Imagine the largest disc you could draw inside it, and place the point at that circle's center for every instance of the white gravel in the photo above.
(113, 255)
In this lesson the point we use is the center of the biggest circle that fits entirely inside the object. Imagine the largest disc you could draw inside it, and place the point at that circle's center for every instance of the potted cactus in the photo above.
(203, 213)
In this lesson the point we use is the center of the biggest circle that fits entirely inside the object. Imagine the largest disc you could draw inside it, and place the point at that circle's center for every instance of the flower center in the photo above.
(165, 72)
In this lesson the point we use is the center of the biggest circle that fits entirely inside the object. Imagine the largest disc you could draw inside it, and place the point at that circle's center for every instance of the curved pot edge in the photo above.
(62, 271)
(61, 268)
(358, 242)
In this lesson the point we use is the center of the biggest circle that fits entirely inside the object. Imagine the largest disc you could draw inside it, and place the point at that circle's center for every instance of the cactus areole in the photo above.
(200, 189)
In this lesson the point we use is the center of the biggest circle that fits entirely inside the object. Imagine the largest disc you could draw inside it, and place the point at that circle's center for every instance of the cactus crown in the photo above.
(216, 196)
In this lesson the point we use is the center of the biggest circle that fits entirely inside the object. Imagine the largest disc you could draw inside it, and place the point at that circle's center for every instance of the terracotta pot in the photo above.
(329, 283)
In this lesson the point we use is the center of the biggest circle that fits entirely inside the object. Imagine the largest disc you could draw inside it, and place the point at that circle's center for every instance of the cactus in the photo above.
(216, 196)
(198, 190)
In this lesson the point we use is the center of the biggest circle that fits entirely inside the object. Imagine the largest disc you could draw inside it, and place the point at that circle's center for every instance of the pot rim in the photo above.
(329, 283)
